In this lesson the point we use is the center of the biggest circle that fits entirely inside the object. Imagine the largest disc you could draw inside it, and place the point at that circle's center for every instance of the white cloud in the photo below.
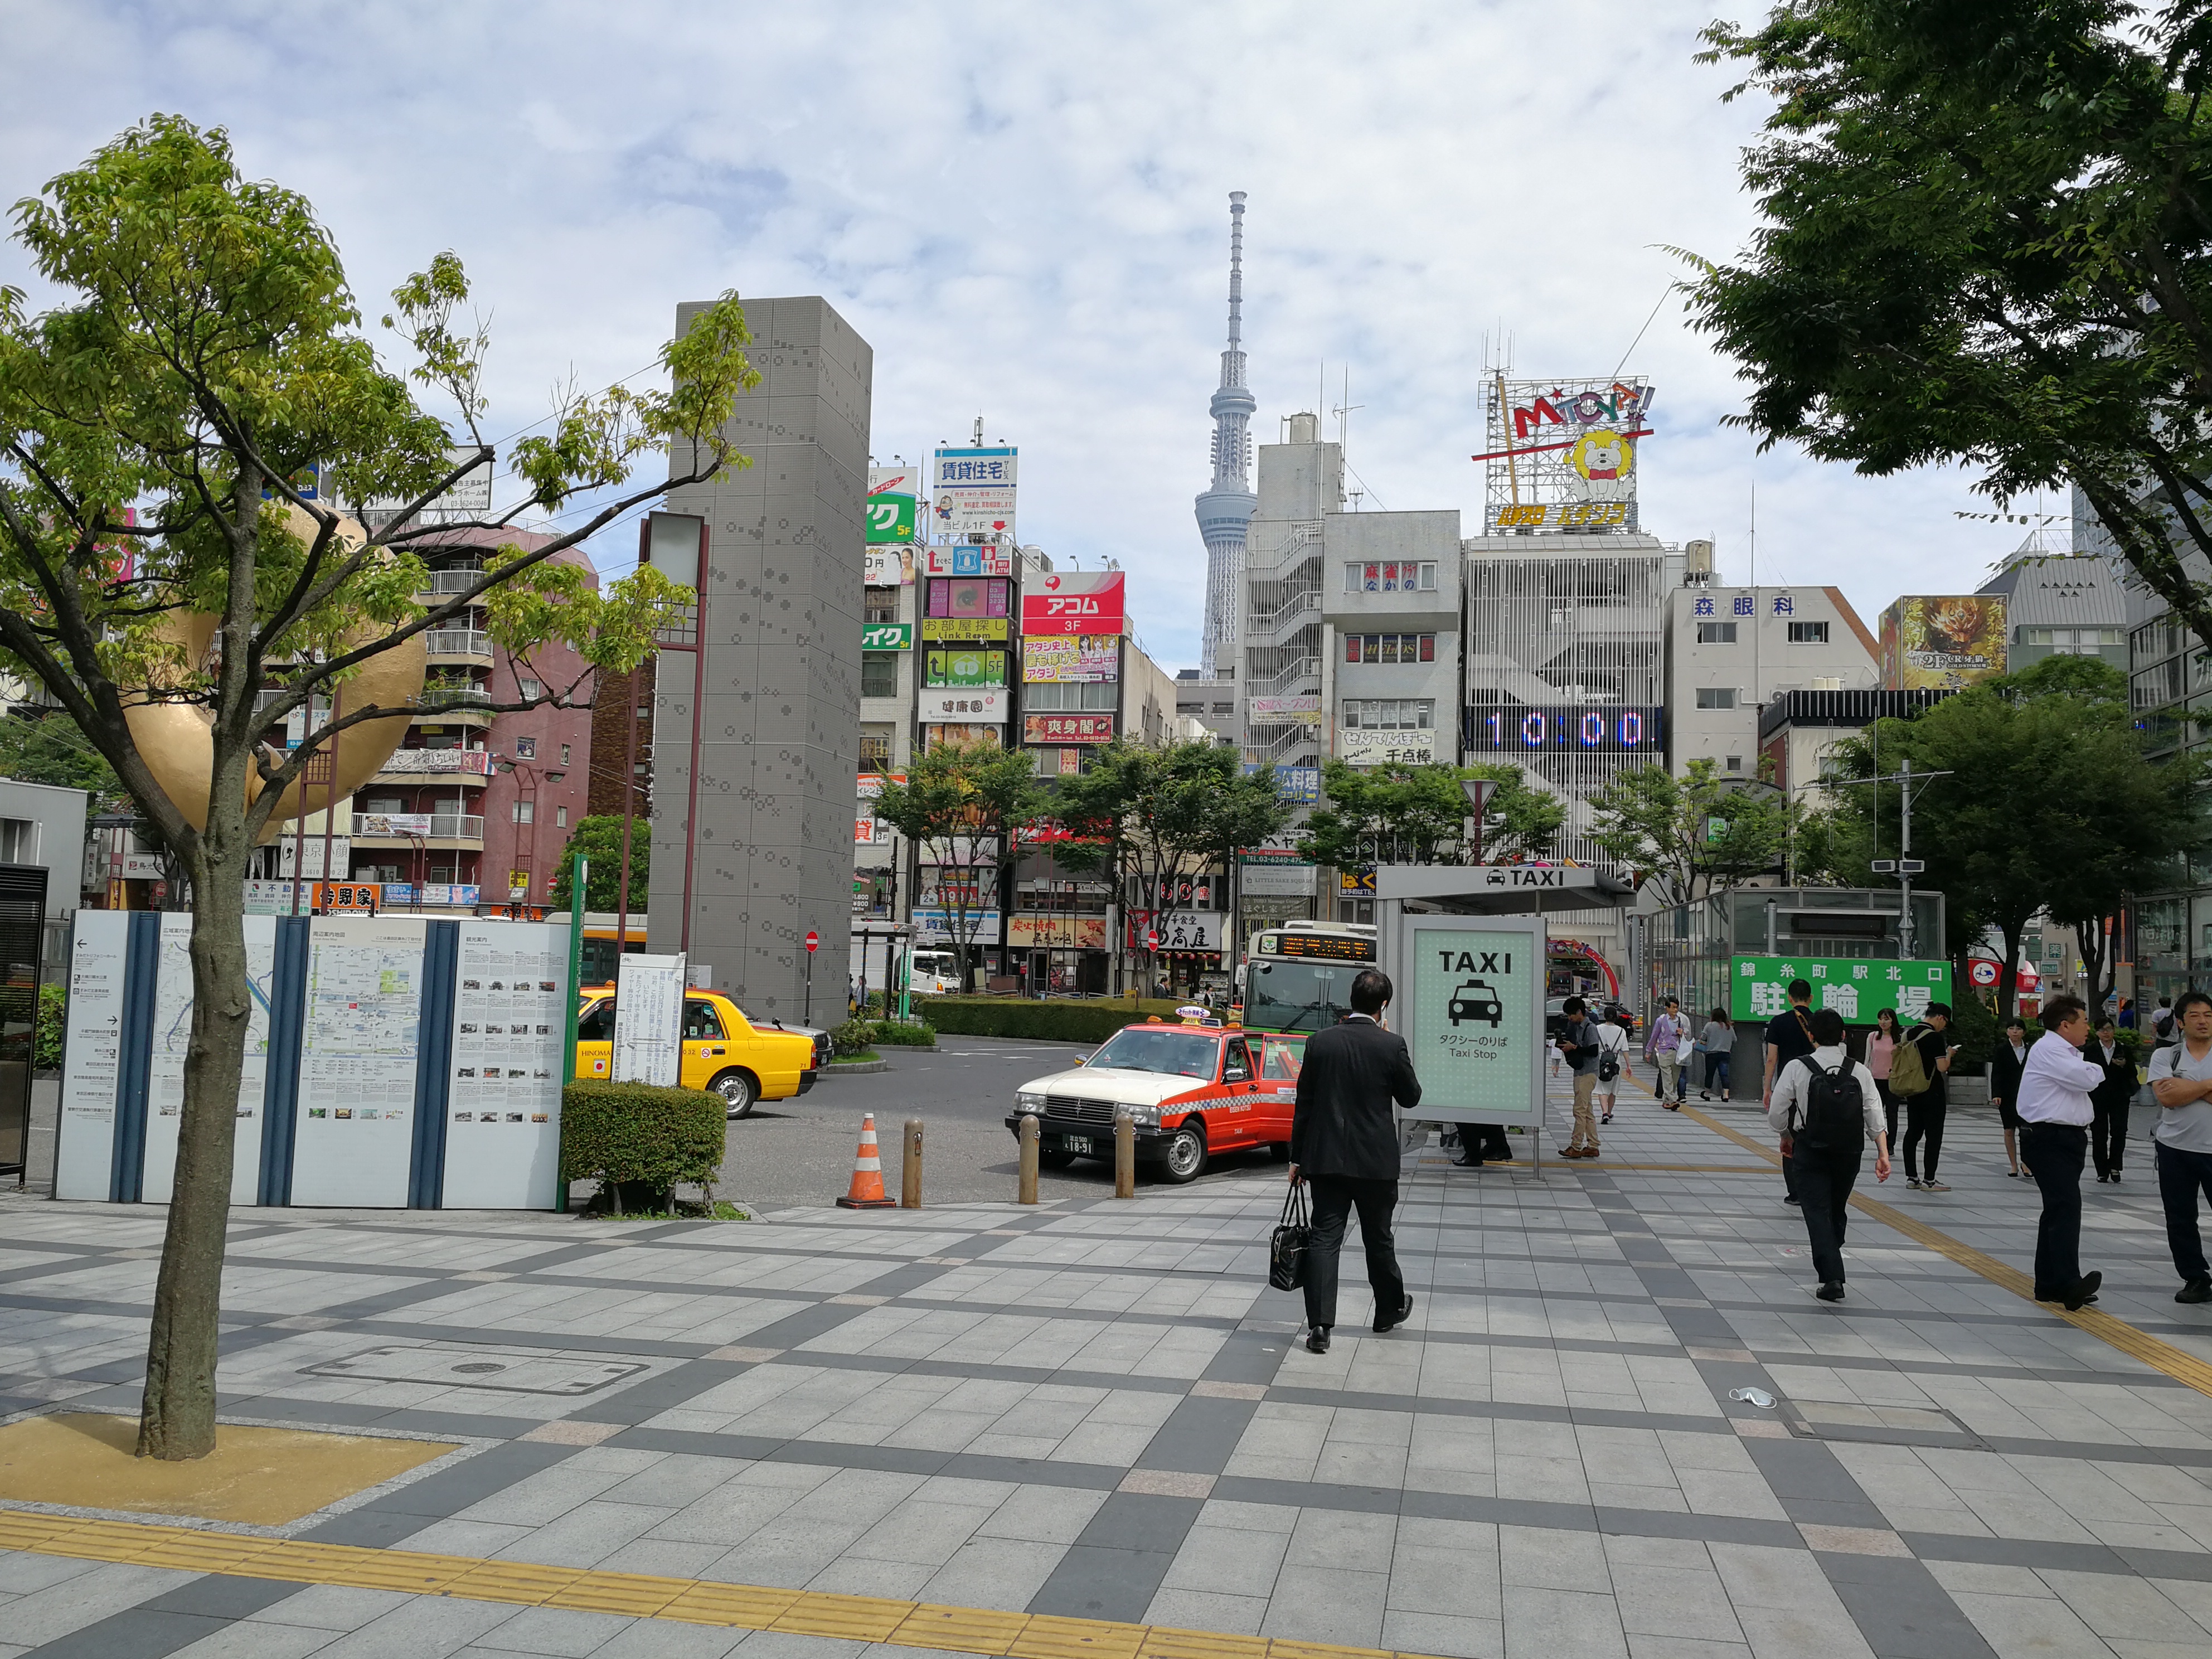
(1023, 211)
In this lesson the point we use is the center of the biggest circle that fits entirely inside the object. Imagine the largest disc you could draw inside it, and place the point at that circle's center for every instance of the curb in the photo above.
(853, 1068)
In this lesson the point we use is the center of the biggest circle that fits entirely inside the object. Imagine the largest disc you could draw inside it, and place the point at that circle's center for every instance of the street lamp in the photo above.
(525, 846)
(1478, 791)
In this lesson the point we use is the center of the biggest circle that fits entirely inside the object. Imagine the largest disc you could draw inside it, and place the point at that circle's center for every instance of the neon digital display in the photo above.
(1600, 728)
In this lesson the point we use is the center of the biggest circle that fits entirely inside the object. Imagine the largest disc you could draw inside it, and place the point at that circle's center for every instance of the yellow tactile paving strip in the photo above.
(2136, 1345)
(687, 1601)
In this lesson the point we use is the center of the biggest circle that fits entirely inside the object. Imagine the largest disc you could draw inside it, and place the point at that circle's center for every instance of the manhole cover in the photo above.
(454, 1366)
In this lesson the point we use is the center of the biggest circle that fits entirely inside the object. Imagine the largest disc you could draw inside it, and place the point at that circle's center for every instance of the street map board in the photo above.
(173, 1036)
(1470, 1004)
(503, 1099)
(355, 1139)
(1759, 987)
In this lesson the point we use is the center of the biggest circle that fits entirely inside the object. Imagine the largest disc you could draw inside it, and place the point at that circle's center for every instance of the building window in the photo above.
(880, 604)
(1224, 708)
(525, 811)
(528, 687)
(875, 751)
(1391, 647)
(559, 817)
(19, 841)
(879, 673)
(1389, 714)
(1808, 633)
(1724, 633)
(1068, 698)
(526, 748)
(1399, 577)
(564, 754)
(1735, 762)
(1716, 697)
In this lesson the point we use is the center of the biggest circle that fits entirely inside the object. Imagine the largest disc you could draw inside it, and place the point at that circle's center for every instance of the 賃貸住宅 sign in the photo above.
(1470, 1006)
(1759, 987)
(1359, 746)
(972, 493)
(887, 636)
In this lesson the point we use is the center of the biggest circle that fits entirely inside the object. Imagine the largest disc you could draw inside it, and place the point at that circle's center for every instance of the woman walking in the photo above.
(2005, 1066)
(1881, 1049)
(1716, 1042)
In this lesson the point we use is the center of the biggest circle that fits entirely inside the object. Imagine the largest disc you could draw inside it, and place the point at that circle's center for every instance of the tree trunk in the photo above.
(177, 1421)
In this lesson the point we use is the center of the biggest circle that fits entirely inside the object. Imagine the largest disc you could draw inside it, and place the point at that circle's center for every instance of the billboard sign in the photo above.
(984, 705)
(887, 566)
(1067, 728)
(965, 666)
(1303, 705)
(1472, 1013)
(1942, 642)
(1562, 454)
(1074, 602)
(1362, 746)
(963, 628)
(1071, 659)
(1178, 930)
(890, 503)
(973, 559)
(887, 636)
(1300, 784)
(1057, 932)
(1759, 987)
(972, 492)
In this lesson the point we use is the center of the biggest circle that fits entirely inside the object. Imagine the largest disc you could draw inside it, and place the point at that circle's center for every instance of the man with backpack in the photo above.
(1788, 1037)
(2164, 1029)
(1825, 1109)
(1917, 1074)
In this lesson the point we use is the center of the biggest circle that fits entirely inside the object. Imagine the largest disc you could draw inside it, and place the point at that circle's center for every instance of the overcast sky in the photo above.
(1024, 210)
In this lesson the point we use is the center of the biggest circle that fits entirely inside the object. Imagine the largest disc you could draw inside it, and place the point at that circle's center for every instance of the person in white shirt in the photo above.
(1826, 1156)
(1612, 1039)
(2055, 1110)
(2181, 1083)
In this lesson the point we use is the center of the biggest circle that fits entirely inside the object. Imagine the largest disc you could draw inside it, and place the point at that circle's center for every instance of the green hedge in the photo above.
(54, 1017)
(897, 1034)
(640, 1140)
(1052, 1021)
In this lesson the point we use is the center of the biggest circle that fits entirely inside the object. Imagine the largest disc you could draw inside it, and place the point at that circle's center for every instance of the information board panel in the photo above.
(84, 1158)
(649, 1015)
(503, 1097)
(364, 1031)
(1470, 1004)
(173, 1033)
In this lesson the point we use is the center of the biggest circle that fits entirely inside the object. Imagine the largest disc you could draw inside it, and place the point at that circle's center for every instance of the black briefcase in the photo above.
(1286, 1250)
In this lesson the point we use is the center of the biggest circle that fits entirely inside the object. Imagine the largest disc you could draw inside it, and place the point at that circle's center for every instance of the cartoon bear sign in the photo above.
(1603, 463)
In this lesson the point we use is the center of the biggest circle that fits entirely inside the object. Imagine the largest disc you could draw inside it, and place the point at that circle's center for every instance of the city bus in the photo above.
(1297, 979)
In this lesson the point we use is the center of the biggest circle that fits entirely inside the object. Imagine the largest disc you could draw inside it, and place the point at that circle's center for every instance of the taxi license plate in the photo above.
(1078, 1144)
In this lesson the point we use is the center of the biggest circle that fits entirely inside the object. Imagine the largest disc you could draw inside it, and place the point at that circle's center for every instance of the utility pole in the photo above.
(1903, 867)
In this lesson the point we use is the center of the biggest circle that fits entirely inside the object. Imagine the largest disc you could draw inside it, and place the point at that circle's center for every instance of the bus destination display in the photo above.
(1334, 947)
(1604, 728)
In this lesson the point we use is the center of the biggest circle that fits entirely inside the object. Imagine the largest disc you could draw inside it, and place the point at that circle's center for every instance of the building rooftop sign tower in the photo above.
(1225, 509)
(1562, 454)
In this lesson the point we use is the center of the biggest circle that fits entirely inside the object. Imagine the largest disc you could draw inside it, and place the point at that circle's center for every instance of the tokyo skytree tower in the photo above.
(1225, 509)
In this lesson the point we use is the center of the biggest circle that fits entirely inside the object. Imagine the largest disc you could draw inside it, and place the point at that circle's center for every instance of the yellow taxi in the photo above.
(723, 1052)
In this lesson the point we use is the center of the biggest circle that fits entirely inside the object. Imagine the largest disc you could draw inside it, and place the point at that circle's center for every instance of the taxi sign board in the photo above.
(1470, 1004)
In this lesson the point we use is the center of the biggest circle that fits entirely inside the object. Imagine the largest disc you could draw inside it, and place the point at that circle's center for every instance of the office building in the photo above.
(766, 860)
(2059, 602)
(1301, 483)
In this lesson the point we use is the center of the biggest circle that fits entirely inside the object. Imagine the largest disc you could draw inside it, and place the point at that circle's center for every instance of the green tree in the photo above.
(2045, 802)
(1690, 834)
(600, 839)
(963, 805)
(1987, 241)
(1150, 816)
(37, 750)
(1420, 815)
(203, 356)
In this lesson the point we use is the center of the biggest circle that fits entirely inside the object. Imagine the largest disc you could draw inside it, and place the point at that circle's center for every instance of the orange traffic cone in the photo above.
(867, 1193)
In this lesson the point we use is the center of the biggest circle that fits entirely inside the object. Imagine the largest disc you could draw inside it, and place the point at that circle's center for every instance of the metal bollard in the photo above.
(910, 1167)
(1025, 1192)
(1125, 1156)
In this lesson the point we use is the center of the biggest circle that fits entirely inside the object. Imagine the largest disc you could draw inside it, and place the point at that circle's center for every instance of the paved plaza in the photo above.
(1095, 1414)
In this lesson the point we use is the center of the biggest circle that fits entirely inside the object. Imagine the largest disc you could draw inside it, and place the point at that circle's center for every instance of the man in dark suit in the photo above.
(2108, 1130)
(1344, 1139)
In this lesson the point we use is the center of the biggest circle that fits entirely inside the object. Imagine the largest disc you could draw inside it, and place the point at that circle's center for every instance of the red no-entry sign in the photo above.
(1153, 940)
(813, 940)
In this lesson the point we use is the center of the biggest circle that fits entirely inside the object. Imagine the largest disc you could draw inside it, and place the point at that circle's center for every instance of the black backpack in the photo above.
(1835, 1115)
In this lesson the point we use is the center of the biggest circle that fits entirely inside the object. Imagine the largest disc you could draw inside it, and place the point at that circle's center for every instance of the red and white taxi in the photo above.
(1191, 1092)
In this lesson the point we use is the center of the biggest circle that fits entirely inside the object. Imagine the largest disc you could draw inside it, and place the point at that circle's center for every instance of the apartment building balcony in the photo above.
(441, 832)
(457, 646)
(462, 705)
(469, 768)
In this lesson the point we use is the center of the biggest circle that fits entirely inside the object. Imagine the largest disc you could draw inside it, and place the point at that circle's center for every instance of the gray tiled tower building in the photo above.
(781, 738)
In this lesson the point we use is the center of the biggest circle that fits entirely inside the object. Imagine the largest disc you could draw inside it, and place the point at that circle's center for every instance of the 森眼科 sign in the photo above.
(887, 636)
(1075, 602)
(1759, 987)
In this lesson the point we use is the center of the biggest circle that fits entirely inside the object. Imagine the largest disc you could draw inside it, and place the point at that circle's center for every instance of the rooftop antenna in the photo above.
(979, 432)
(1343, 413)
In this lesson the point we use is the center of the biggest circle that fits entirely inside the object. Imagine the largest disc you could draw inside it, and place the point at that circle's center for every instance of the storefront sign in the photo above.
(1071, 659)
(970, 559)
(1179, 930)
(1074, 602)
(890, 505)
(1067, 728)
(965, 666)
(1759, 987)
(1304, 706)
(888, 567)
(1057, 932)
(983, 705)
(955, 737)
(1276, 880)
(1361, 747)
(963, 628)
(932, 925)
(887, 636)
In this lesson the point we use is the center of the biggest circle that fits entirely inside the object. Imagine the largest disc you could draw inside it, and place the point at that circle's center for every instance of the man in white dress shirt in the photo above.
(2055, 1110)
(1824, 1156)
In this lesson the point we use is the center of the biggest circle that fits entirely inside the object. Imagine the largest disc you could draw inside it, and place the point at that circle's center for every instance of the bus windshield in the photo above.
(1296, 996)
